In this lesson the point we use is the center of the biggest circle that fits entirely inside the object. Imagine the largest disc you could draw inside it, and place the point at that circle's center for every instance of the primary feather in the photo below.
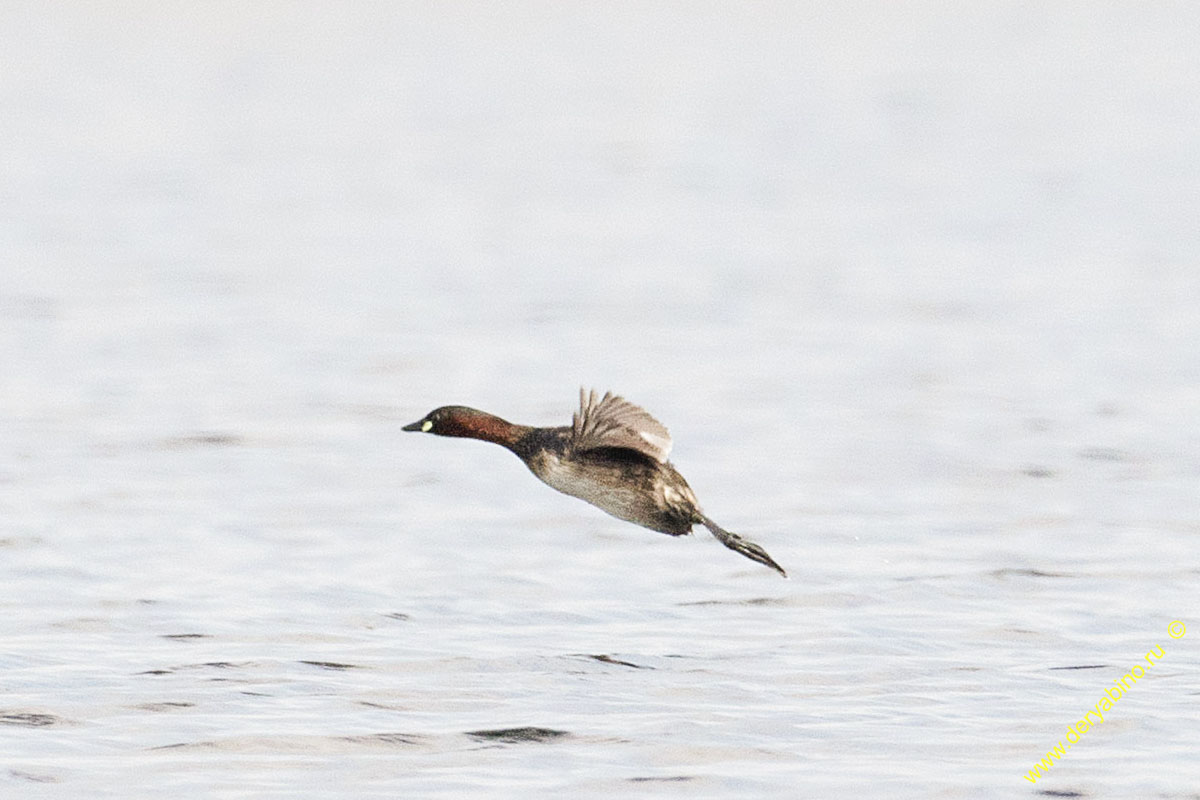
(613, 421)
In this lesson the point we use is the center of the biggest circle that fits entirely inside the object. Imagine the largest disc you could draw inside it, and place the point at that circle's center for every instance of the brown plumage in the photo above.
(613, 455)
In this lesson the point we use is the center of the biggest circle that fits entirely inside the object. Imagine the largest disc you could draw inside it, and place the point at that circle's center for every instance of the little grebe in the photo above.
(613, 455)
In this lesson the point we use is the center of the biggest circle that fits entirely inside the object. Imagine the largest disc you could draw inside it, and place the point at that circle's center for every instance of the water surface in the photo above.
(914, 289)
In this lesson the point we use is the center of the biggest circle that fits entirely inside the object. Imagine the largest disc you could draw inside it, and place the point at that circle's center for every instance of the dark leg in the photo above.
(739, 545)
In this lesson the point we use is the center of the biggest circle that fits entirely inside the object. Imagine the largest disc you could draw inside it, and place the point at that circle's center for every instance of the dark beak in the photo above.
(415, 426)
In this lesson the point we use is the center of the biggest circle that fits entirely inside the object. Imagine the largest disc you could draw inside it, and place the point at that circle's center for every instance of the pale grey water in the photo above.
(915, 287)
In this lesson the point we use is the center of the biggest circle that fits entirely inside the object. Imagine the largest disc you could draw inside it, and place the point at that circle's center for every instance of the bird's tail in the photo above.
(739, 545)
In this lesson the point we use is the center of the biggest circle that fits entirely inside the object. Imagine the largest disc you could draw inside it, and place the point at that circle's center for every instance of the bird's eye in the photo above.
(426, 425)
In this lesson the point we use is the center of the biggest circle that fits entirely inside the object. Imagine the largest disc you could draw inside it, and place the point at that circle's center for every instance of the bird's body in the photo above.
(613, 455)
(622, 482)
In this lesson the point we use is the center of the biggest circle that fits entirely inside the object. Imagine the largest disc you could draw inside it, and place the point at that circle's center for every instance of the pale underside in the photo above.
(666, 506)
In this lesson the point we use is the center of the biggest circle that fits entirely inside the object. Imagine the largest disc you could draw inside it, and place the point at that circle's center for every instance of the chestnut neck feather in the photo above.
(471, 424)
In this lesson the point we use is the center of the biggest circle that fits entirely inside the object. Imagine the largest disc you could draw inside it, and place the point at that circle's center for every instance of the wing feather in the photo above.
(613, 421)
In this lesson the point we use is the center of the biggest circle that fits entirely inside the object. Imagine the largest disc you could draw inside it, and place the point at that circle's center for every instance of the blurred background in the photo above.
(914, 285)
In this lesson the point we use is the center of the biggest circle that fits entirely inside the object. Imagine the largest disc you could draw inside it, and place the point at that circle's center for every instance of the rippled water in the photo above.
(915, 289)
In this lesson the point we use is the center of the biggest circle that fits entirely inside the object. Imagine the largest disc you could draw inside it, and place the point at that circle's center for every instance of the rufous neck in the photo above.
(472, 424)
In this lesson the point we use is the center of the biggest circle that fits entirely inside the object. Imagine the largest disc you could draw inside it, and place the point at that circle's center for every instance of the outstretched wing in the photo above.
(613, 421)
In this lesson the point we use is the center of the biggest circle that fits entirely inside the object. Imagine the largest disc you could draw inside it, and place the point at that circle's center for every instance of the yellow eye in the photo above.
(426, 425)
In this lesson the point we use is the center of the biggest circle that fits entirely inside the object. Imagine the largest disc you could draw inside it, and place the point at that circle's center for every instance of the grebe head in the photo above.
(465, 422)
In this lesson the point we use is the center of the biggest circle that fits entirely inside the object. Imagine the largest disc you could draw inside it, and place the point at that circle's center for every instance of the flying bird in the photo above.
(612, 455)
